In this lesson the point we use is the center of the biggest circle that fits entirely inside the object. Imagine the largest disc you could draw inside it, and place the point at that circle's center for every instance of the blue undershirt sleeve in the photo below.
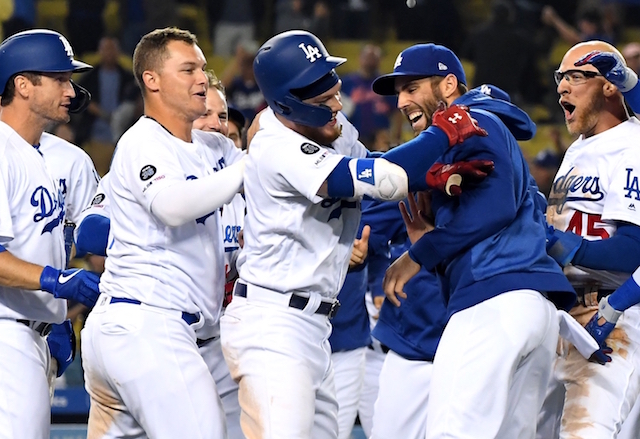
(633, 98)
(93, 234)
(340, 182)
(418, 155)
(621, 252)
(2, 249)
(627, 295)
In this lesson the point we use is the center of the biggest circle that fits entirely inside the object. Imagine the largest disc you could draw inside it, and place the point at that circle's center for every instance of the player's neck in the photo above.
(30, 128)
(176, 124)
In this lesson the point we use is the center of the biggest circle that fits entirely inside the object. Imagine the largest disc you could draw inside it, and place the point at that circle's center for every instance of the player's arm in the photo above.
(621, 252)
(188, 200)
(615, 70)
(78, 285)
(385, 178)
(611, 308)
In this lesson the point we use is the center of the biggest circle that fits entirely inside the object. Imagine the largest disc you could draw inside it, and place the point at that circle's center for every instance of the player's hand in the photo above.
(78, 285)
(600, 327)
(360, 248)
(449, 178)
(397, 275)
(612, 67)
(418, 221)
(62, 345)
(457, 123)
(562, 246)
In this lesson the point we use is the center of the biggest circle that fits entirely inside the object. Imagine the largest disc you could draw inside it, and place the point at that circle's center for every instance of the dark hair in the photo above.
(10, 88)
(151, 50)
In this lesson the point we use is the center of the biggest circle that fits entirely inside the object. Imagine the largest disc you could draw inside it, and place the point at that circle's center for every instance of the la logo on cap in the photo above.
(442, 66)
(398, 62)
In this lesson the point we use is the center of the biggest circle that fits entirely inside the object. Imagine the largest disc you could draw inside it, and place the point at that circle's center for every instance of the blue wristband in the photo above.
(627, 295)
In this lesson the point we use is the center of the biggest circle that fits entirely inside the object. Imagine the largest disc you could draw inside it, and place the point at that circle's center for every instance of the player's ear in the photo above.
(151, 80)
(21, 84)
(449, 85)
(609, 89)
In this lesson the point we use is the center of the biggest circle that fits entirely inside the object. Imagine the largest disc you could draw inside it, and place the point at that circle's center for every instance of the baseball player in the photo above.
(163, 276)
(494, 357)
(92, 237)
(35, 89)
(595, 236)
(305, 173)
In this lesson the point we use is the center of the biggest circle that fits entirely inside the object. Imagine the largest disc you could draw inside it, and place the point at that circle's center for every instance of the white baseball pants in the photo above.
(491, 368)
(348, 373)
(146, 377)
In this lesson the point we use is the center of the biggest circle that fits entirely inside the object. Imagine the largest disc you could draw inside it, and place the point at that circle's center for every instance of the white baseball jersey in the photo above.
(31, 222)
(597, 184)
(294, 239)
(232, 223)
(74, 169)
(177, 268)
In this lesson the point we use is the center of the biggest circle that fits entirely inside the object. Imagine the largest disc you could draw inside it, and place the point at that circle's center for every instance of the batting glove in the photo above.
(457, 123)
(78, 285)
(600, 331)
(562, 246)
(612, 67)
(449, 178)
(62, 345)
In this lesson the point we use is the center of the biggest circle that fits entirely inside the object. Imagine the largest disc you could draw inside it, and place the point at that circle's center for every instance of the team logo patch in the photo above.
(97, 199)
(147, 172)
(309, 148)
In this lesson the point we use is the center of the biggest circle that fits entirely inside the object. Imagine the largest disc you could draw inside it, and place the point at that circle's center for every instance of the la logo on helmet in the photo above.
(67, 46)
(312, 53)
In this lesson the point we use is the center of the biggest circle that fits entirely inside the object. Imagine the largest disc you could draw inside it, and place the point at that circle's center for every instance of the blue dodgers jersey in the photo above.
(413, 329)
(491, 239)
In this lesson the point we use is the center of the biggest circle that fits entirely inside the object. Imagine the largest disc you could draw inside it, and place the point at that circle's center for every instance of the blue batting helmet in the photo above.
(38, 51)
(291, 67)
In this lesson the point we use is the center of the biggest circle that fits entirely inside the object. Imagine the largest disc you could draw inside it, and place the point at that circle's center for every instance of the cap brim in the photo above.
(79, 66)
(236, 116)
(336, 60)
(385, 85)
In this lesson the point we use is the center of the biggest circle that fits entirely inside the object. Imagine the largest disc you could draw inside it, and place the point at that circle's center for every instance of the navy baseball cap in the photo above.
(421, 60)
(236, 116)
(494, 92)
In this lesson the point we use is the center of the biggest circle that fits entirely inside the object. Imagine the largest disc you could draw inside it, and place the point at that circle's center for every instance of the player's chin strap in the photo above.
(81, 101)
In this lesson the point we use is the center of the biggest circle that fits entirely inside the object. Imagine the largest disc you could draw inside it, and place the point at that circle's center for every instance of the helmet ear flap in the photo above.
(82, 99)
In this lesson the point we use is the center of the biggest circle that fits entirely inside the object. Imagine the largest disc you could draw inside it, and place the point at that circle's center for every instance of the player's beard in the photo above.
(428, 107)
(587, 121)
(324, 135)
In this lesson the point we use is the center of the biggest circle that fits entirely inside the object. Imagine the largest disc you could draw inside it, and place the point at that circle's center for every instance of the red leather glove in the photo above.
(449, 178)
(457, 123)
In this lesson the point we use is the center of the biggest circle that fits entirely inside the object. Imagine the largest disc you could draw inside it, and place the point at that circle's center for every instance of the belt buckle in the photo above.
(335, 306)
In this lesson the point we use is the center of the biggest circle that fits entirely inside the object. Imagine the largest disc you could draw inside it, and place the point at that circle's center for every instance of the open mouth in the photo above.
(202, 94)
(568, 109)
(414, 117)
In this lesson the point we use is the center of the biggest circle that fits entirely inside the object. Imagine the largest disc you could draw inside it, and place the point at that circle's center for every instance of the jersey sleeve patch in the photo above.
(309, 148)
(147, 172)
(99, 198)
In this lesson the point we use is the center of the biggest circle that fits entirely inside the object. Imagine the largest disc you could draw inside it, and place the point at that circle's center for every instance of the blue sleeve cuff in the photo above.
(340, 182)
(627, 295)
(423, 253)
(2, 249)
(93, 234)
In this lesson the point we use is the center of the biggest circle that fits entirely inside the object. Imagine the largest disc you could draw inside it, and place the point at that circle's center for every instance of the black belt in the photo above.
(41, 328)
(187, 317)
(328, 309)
